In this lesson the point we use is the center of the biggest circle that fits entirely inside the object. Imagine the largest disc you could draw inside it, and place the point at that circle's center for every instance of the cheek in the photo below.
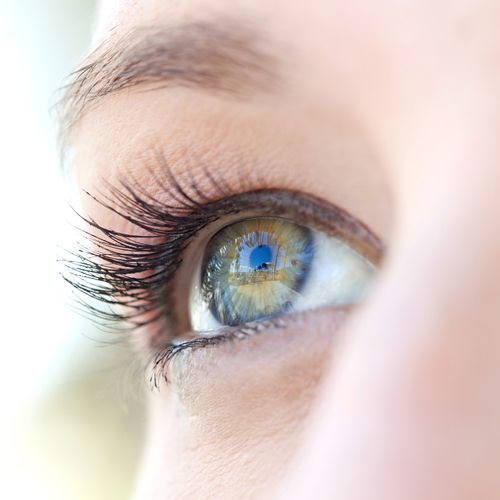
(233, 415)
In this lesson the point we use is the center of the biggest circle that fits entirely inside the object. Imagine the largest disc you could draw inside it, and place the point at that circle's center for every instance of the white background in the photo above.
(66, 429)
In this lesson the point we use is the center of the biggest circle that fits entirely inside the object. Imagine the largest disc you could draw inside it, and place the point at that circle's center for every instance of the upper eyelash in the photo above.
(132, 271)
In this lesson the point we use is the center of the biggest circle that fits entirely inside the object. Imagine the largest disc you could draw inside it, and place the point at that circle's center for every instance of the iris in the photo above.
(255, 269)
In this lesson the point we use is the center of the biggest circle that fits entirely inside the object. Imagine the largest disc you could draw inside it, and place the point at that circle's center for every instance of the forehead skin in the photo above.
(410, 90)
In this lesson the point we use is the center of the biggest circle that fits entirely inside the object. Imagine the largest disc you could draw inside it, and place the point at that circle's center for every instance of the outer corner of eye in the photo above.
(263, 267)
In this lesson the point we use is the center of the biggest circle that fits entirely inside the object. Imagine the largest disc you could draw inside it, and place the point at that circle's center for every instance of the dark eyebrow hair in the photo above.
(219, 56)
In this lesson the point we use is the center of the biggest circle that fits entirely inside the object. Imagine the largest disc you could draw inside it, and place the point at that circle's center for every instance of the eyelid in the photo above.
(132, 274)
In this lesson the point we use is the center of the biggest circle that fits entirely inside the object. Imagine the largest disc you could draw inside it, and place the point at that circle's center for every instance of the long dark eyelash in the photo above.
(126, 275)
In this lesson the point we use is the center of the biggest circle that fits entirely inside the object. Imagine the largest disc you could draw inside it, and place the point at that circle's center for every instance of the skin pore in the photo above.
(388, 110)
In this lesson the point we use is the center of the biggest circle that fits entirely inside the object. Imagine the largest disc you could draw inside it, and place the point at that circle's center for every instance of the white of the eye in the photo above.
(339, 275)
(201, 318)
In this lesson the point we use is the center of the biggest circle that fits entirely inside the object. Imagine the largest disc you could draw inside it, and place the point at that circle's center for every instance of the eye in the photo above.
(191, 271)
(263, 267)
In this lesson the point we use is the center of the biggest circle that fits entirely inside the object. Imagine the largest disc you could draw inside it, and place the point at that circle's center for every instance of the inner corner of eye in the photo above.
(260, 268)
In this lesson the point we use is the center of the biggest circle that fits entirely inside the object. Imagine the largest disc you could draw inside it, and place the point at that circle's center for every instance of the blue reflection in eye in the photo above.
(261, 257)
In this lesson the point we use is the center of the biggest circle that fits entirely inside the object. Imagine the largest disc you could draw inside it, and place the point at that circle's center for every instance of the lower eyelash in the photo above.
(161, 361)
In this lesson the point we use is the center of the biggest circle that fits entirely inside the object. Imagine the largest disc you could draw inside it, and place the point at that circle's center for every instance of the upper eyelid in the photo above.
(137, 267)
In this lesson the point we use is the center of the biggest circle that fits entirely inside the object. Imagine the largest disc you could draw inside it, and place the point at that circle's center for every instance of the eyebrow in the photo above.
(217, 56)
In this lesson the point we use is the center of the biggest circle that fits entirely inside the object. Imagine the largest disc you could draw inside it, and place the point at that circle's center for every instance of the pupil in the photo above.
(261, 257)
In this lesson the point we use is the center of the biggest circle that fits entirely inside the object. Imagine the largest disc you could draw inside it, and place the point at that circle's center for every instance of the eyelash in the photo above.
(135, 271)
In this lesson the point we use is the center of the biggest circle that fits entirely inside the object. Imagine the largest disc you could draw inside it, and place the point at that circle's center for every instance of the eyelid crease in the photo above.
(130, 275)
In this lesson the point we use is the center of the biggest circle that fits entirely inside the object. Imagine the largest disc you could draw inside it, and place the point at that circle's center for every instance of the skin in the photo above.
(391, 111)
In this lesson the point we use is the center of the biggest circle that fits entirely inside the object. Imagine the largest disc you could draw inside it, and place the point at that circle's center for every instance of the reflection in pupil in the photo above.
(255, 269)
(261, 257)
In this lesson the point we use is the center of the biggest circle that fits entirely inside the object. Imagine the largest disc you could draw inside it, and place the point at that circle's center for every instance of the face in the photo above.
(295, 212)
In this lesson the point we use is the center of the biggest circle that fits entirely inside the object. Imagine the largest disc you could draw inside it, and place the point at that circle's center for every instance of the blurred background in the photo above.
(71, 413)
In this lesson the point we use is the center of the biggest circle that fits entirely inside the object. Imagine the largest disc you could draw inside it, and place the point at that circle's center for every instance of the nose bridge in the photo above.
(429, 338)
(425, 352)
(435, 321)
(412, 398)
(438, 317)
(449, 227)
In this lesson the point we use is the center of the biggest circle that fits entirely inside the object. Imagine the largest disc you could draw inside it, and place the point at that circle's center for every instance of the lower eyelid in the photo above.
(293, 339)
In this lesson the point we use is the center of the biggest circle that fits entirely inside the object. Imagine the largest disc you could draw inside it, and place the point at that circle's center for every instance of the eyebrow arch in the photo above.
(219, 56)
